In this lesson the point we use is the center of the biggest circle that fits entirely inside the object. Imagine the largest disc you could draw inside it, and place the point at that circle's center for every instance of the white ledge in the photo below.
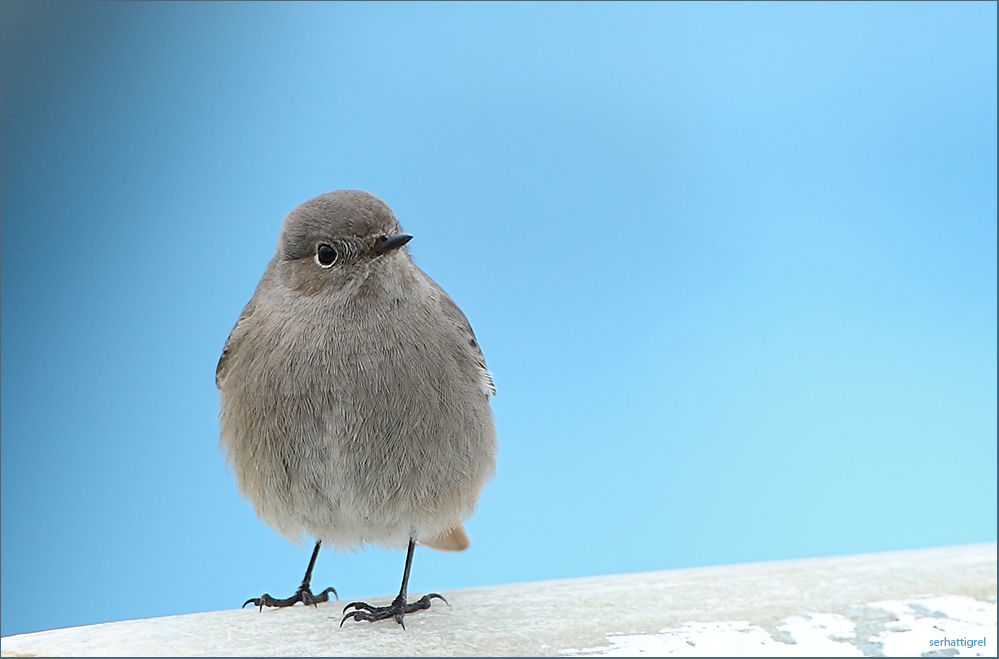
(896, 603)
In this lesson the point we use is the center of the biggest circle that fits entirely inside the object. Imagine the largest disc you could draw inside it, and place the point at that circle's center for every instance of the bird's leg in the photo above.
(398, 608)
(303, 594)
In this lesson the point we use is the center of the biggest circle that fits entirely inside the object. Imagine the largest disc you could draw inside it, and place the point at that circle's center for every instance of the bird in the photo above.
(354, 396)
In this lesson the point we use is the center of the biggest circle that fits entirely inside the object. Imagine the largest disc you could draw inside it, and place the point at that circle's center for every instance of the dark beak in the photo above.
(389, 242)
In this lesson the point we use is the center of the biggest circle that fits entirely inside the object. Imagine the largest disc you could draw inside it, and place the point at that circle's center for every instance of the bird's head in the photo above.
(340, 238)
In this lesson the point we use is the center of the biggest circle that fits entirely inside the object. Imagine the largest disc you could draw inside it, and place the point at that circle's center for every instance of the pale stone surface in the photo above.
(898, 603)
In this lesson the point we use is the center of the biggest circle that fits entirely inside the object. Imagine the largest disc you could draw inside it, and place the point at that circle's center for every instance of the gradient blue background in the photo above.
(733, 266)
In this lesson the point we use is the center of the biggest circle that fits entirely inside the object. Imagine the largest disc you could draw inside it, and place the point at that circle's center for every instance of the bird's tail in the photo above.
(454, 540)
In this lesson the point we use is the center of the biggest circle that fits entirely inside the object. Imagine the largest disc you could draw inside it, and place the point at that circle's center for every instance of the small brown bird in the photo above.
(354, 395)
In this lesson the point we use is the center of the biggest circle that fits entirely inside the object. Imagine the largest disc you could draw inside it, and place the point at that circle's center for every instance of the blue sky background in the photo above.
(732, 265)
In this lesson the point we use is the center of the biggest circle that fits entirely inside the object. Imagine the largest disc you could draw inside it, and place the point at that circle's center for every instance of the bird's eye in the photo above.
(381, 239)
(325, 255)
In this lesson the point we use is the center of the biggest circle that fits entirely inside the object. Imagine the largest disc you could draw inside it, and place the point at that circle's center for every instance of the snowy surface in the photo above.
(934, 602)
(920, 621)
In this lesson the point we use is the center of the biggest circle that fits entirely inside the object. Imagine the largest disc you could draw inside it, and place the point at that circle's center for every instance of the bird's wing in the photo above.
(244, 324)
(235, 338)
(454, 314)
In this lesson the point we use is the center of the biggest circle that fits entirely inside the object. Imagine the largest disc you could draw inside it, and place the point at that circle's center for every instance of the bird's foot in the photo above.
(303, 595)
(397, 609)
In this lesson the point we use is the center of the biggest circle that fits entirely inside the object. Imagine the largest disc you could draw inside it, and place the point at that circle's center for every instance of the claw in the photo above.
(430, 596)
(356, 615)
(303, 595)
(359, 606)
(397, 609)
